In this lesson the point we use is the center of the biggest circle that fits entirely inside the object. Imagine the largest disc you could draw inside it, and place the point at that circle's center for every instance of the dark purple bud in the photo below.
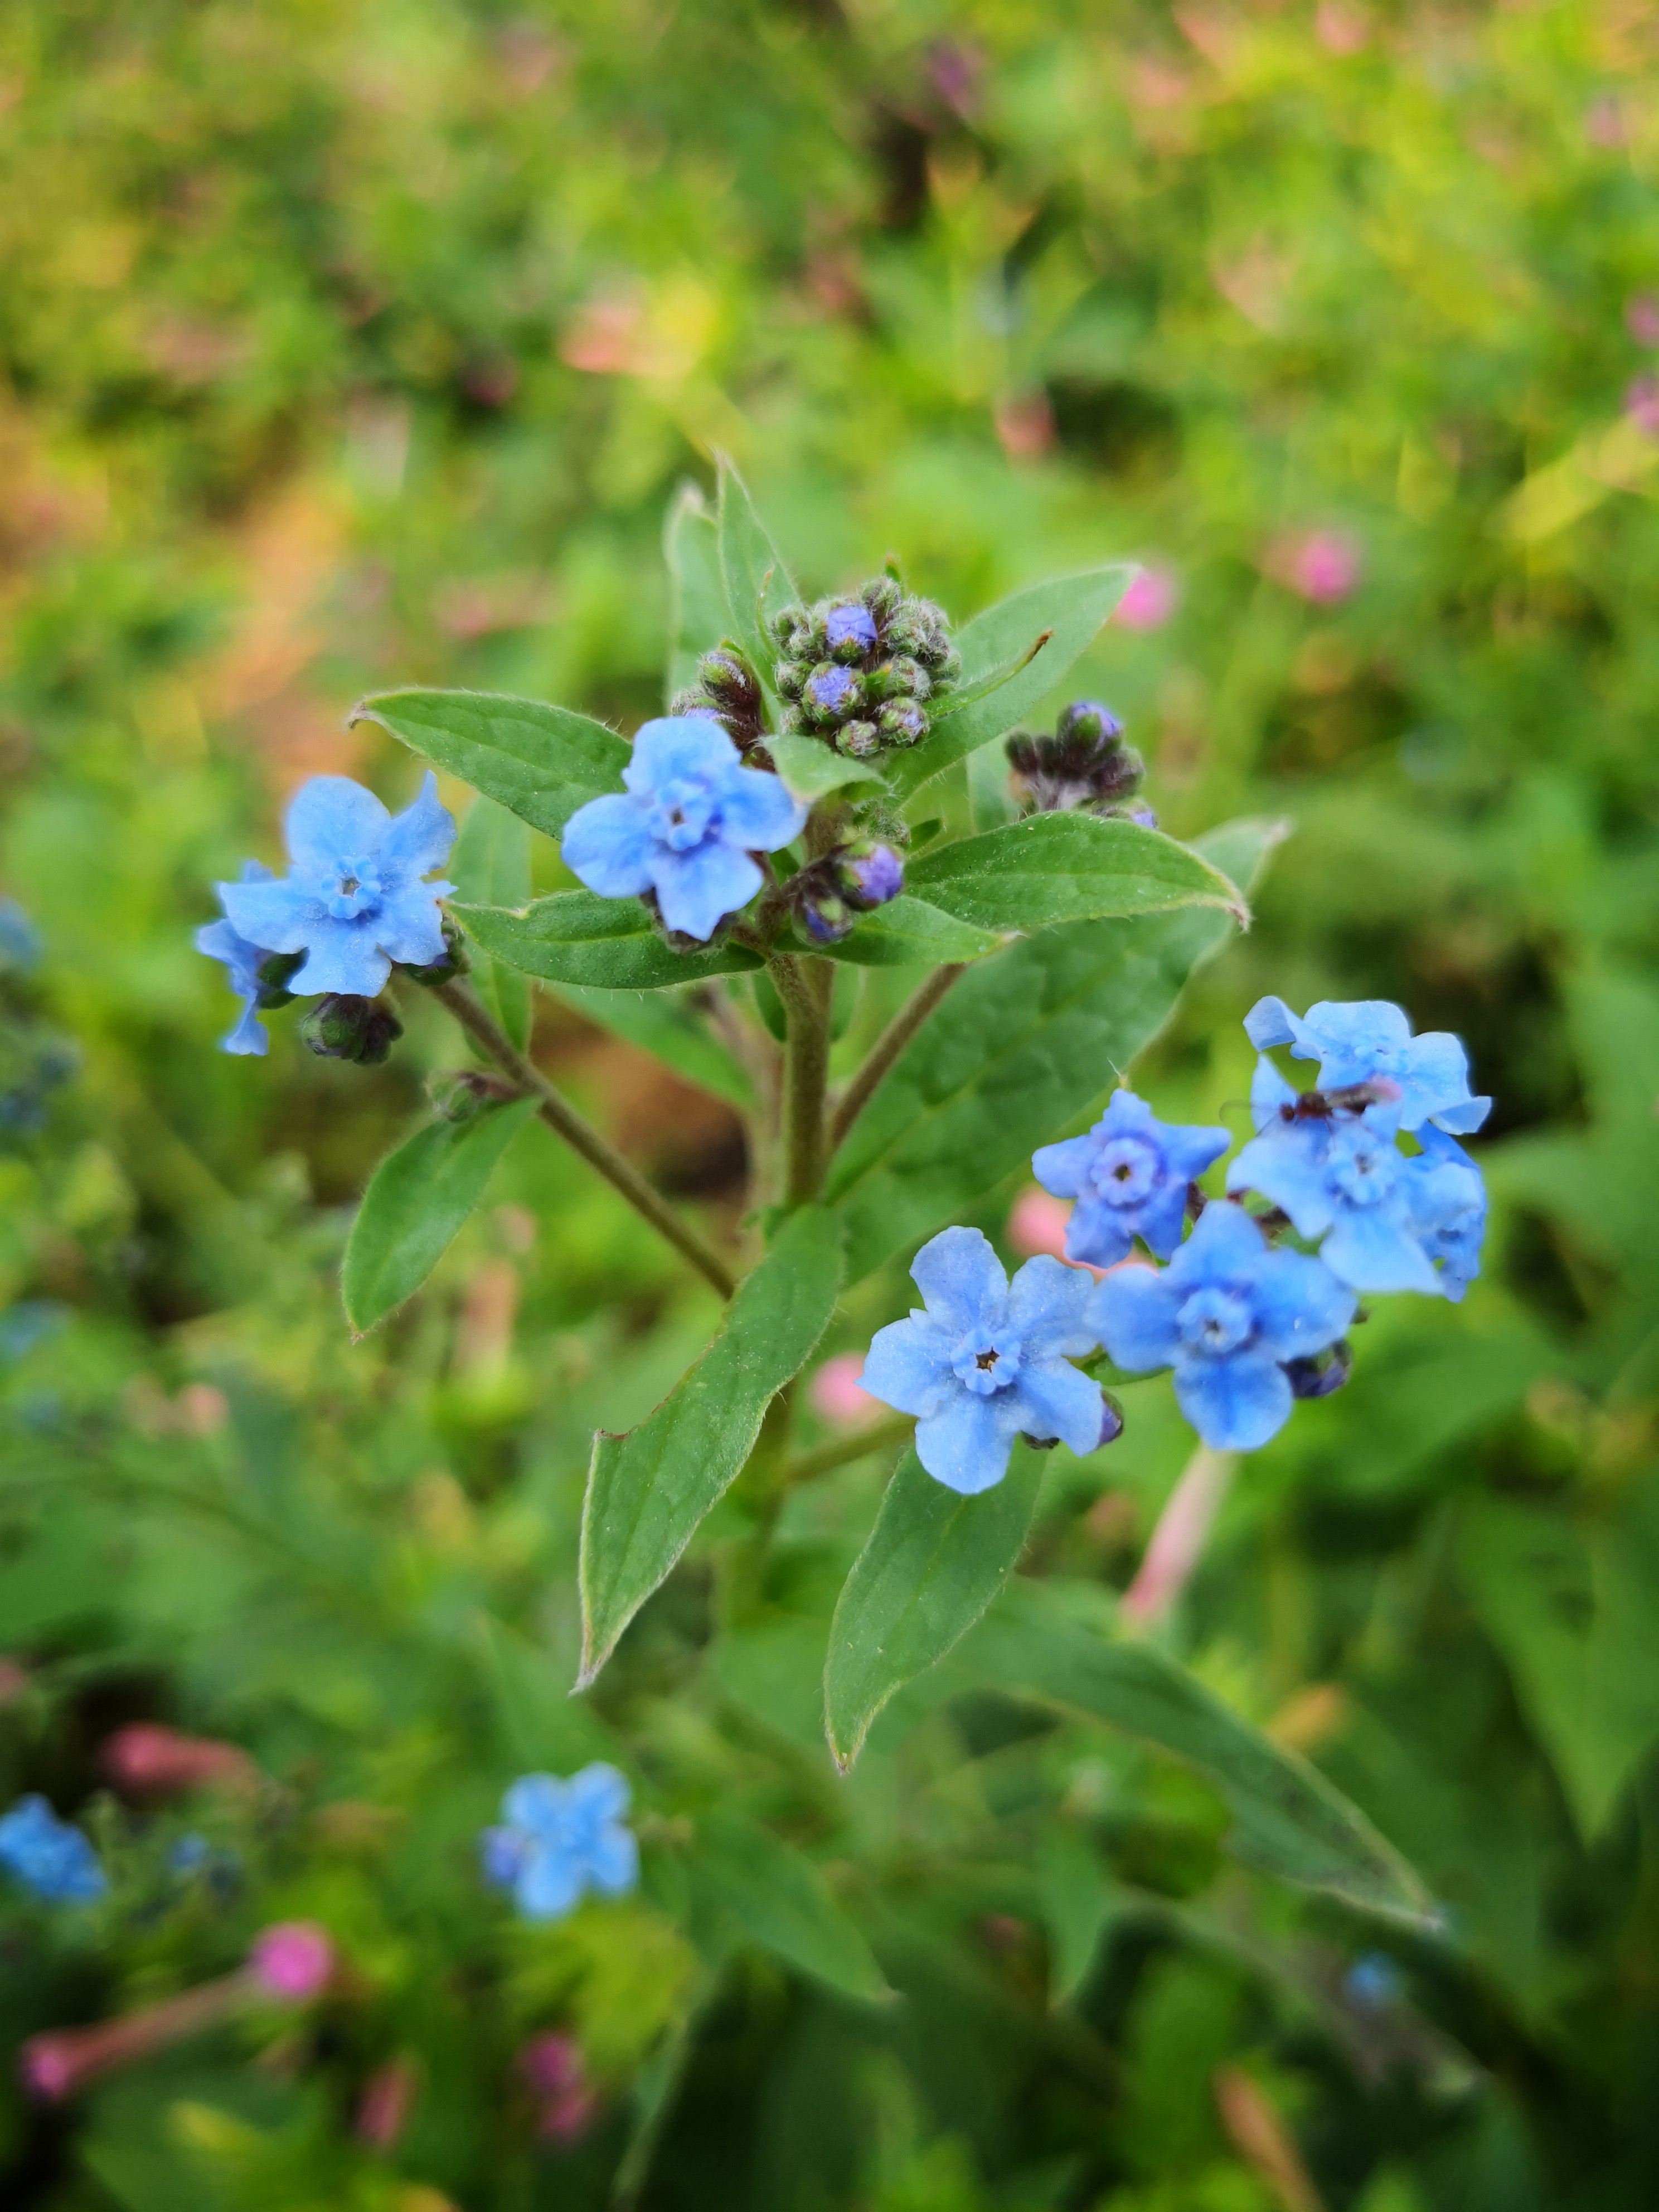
(1087, 721)
(452, 963)
(903, 722)
(1141, 813)
(1086, 764)
(825, 918)
(851, 627)
(1111, 1419)
(869, 874)
(1319, 1376)
(341, 1027)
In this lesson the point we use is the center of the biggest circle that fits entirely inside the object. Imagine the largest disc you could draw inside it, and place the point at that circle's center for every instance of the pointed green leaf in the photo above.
(1288, 1820)
(491, 868)
(757, 578)
(648, 1490)
(1066, 867)
(1018, 1052)
(778, 1899)
(908, 933)
(542, 762)
(417, 1200)
(933, 1563)
(1071, 608)
(810, 768)
(665, 1025)
(576, 937)
(697, 618)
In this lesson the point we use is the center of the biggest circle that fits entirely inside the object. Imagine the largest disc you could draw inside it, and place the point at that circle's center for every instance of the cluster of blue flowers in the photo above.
(358, 900)
(1247, 1326)
(558, 1839)
(49, 1856)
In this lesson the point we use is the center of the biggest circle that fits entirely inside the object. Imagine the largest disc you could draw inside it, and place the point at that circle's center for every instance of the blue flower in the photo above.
(54, 1859)
(1341, 1177)
(1129, 1174)
(354, 900)
(986, 1362)
(20, 940)
(1450, 1195)
(560, 1838)
(1226, 1314)
(220, 942)
(1356, 1041)
(685, 827)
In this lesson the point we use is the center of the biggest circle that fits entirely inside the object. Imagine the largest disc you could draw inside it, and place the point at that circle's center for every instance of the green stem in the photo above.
(824, 1459)
(562, 1116)
(889, 1045)
(807, 1074)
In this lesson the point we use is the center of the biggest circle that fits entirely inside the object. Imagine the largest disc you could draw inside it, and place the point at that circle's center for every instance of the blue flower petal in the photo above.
(966, 1444)
(1300, 1307)
(1269, 1092)
(599, 1792)
(696, 889)
(550, 1882)
(1063, 1169)
(1350, 1037)
(342, 957)
(1225, 1241)
(1132, 1312)
(1236, 1404)
(535, 1802)
(607, 845)
(1057, 1401)
(1373, 1251)
(1048, 1308)
(758, 812)
(1287, 1167)
(1097, 1234)
(613, 1860)
(678, 745)
(409, 926)
(1464, 1116)
(332, 822)
(279, 916)
(419, 839)
(1160, 1218)
(908, 1366)
(961, 1280)
(1270, 1021)
(248, 1035)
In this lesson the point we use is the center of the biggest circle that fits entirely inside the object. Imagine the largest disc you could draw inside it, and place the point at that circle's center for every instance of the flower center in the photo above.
(1215, 1321)
(986, 1362)
(1125, 1171)
(681, 813)
(1364, 1169)
(356, 890)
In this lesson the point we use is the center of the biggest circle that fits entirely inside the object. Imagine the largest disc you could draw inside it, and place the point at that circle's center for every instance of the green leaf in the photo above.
(1018, 1053)
(757, 580)
(648, 1490)
(906, 932)
(577, 937)
(697, 617)
(665, 1025)
(810, 768)
(778, 1899)
(1066, 867)
(541, 762)
(933, 1563)
(1288, 1820)
(417, 1200)
(1072, 608)
(491, 868)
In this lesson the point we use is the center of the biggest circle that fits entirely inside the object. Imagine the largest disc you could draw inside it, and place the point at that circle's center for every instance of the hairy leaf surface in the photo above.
(577, 937)
(542, 762)
(1066, 867)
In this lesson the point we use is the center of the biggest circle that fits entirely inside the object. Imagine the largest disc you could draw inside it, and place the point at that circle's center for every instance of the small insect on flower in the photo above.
(985, 1360)
(356, 900)
(1129, 1174)
(561, 1838)
(48, 1856)
(686, 828)
(1358, 1040)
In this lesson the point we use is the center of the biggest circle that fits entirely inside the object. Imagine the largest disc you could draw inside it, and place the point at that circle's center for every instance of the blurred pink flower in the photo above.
(1036, 1223)
(836, 1395)
(147, 1760)
(1642, 405)
(1340, 28)
(295, 1959)
(1641, 318)
(1604, 122)
(552, 2065)
(1150, 600)
(1178, 1542)
(387, 2099)
(1323, 566)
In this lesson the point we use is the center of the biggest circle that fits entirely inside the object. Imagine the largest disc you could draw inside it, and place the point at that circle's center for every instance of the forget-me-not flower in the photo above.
(986, 1360)
(54, 1858)
(686, 826)
(1451, 1213)
(1226, 1314)
(559, 1838)
(220, 941)
(1356, 1041)
(1129, 1176)
(354, 900)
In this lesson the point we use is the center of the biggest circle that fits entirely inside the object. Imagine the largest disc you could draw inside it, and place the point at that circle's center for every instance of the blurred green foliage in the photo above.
(358, 345)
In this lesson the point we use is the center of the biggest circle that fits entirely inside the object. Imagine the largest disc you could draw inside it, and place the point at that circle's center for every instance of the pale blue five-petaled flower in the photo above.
(986, 1360)
(54, 1858)
(685, 827)
(1226, 1314)
(356, 898)
(560, 1838)
(1356, 1040)
(1129, 1176)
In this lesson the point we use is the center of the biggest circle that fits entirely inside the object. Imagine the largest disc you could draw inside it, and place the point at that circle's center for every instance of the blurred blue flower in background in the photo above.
(1129, 1176)
(1358, 1040)
(685, 827)
(354, 900)
(1226, 1314)
(560, 1838)
(51, 1857)
(988, 1361)
(20, 940)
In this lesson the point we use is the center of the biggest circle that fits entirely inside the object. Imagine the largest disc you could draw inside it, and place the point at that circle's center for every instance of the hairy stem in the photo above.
(559, 1115)
(842, 1451)
(887, 1046)
(806, 1073)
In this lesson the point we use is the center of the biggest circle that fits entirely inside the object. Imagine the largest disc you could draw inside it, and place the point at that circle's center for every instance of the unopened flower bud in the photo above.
(339, 1027)
(1084, 765)
(856, 672)
(868, 874)
(1325, 1372)
(728, 690)
(273, 975)
(453, 963)
(1111, 1419)
(851, 631)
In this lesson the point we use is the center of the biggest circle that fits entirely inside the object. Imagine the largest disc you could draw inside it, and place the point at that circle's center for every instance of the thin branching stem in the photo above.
(560, 1115)
(842, 1451)
(887, 1046)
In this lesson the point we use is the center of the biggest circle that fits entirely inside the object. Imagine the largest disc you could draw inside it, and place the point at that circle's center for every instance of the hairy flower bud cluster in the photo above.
(827, 896)
(1085, 766)
(727, 688)
(859, 672)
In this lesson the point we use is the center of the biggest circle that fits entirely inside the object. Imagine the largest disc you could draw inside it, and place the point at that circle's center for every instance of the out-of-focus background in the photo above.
(351, 345)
